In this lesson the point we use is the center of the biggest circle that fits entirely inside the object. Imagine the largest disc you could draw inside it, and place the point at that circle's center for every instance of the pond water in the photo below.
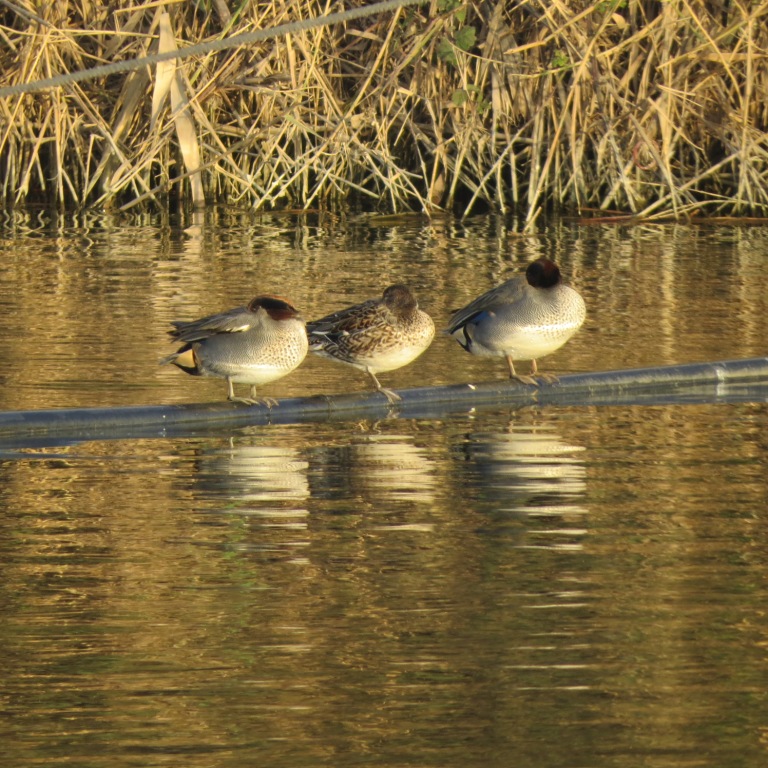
(541, 586)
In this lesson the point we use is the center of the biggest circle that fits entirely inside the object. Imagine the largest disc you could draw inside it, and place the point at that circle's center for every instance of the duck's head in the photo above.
(276, 307)
(399, 299)
(543, 273)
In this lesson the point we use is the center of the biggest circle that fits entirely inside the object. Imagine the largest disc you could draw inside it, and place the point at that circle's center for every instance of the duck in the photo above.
(525, 318)
(255, 344)
(376, 336)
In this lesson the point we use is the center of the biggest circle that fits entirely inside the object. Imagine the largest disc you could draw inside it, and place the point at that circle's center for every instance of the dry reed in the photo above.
(652, 108)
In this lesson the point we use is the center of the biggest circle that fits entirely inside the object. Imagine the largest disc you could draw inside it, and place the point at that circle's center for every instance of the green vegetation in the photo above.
(652, 108)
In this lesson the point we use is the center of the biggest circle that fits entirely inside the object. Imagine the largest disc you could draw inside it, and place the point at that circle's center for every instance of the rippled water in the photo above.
(580, 586)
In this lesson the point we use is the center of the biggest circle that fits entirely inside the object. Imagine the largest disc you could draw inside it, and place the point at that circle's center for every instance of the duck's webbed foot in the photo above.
(252, 400)
(393, 397)
(522, 378)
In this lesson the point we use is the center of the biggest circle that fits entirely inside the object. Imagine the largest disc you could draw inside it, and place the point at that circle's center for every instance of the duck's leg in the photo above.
(520, 377)
(549, 378)
(252, 400)
(268, 401)
(231, 394)
(393, 397)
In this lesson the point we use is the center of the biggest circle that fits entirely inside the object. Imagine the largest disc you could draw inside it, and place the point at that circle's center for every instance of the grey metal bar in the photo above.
(726, 381)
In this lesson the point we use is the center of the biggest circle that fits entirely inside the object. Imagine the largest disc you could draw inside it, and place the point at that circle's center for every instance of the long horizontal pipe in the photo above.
(727, 381)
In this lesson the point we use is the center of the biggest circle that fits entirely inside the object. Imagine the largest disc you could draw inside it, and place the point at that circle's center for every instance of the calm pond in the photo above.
(542, 586)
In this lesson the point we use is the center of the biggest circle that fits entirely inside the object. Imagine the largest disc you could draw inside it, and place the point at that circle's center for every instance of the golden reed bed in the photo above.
(648, 108)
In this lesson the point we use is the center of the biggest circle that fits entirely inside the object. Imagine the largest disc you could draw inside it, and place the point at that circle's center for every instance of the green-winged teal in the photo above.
(254, 345)
(377, 335)
(524, 318)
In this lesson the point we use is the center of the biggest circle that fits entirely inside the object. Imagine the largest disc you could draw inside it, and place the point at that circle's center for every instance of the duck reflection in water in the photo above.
(524, 474)
(383, 477)
(266, 485)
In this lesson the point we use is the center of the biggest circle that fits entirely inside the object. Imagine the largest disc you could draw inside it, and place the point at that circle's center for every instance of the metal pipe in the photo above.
(727, 381)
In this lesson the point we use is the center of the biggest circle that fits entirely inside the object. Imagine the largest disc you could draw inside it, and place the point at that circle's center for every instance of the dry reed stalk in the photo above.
(655, 109)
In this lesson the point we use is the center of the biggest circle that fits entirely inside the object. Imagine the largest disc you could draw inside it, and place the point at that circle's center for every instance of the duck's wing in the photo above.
(351, 332)
(502, 295)
(232, 321)
(349, 321)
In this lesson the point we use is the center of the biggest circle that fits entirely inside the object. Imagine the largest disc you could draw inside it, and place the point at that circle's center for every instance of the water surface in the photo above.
(575, 586)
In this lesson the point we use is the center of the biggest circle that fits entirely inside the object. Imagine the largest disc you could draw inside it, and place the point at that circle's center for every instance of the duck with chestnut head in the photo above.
(255, 344)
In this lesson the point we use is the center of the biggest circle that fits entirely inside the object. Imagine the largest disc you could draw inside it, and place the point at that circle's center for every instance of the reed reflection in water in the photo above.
(656, 295)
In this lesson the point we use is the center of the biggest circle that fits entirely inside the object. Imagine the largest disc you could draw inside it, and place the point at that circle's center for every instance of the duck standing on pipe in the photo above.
(525, 318)
(378, 335)
(255, 344)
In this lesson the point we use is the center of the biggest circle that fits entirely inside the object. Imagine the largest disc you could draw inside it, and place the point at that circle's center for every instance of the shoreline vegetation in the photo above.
(619, 107)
